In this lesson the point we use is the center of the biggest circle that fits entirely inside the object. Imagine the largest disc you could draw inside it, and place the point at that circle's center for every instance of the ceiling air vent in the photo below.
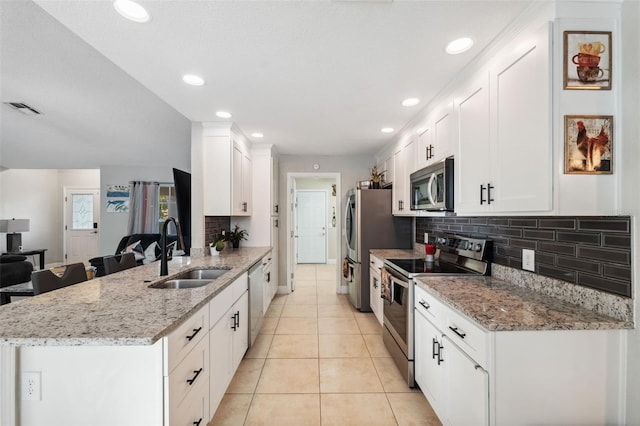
(23, 108)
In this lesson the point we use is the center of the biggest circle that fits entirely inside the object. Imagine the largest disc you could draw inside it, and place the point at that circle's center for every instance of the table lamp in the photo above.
(13, 229)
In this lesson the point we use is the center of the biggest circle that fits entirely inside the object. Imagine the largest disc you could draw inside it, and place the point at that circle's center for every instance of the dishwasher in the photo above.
(256, 304)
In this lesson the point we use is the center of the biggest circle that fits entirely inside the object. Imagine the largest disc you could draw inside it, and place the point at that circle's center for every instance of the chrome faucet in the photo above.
(164, 269)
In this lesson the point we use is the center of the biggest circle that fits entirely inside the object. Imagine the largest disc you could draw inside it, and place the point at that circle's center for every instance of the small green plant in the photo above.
(235, 236)
(218, 243)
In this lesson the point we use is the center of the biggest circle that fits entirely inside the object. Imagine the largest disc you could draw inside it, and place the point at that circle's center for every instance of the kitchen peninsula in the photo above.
(120, 350)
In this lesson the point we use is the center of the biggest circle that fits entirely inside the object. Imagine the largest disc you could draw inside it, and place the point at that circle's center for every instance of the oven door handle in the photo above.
(393, 280)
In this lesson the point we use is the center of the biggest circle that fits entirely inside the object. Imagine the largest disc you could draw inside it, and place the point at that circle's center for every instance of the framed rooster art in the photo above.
(588, 144)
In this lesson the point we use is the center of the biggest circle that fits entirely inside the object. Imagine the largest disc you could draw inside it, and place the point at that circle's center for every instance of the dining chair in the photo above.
(45, 280)
(119, 262)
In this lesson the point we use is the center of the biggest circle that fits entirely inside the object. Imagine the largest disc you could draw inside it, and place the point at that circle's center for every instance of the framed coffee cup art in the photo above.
(588, 144)
(587, 60)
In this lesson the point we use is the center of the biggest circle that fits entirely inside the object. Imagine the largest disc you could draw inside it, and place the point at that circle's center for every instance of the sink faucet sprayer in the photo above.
(164, 270)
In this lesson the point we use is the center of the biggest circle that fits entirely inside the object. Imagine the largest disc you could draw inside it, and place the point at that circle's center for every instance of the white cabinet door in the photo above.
(443, 134)
(474, 157)
(247, 179)
(404, 165)
(424, 149)
(466, 389)
(374, 293)
(398, 182)
(241, 330)
(220, 358)
(522, 154)
(429, 368)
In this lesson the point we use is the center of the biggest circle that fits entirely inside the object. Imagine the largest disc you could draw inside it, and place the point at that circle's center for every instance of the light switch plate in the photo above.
(528, 260)
(426, 238)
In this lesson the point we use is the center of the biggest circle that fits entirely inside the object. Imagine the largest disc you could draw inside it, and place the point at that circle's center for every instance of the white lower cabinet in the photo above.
(375, 301)
(472, 376)
(228, 337)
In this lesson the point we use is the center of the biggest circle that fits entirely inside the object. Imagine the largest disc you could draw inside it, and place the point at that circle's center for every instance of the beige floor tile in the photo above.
(327, 287)
(269, 325)
(274, 311)
(279, 299)
(348, 375)
(412, 409)
(289, 376)
(295, 299)
(284, 410)
(342, 346)
(375, 345)
(260, 347)
(300, 311)
(232, 410)
(294, 346)
(368, 323)
(338, 326)
(360, 409)
(303, 291)
(293, 325)
(330, 299)
(392, 380)
(334, 311)
(326, 274)
(305, 284)
(246, 377)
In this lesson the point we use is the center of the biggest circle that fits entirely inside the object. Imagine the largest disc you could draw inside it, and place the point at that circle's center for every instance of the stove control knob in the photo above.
(478, 247)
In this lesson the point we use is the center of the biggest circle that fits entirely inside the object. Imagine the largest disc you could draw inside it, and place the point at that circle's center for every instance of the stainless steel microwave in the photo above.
(432, 187)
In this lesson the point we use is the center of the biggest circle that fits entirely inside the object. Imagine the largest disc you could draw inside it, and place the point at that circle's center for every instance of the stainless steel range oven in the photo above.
(455, 255)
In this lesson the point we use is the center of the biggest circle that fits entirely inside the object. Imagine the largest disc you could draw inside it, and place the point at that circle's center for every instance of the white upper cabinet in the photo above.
(404, 163)
(227, 175)
(505, 143)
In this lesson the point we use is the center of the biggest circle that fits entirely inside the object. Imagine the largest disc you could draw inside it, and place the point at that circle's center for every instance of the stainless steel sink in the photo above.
(176, 284)
(202, 274)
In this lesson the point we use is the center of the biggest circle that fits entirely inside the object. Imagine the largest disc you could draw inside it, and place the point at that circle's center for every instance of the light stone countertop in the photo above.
(499, 305)
(119, 309)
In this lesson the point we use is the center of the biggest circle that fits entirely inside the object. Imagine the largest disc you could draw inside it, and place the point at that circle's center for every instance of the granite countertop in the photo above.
(499, 305)
(119, 309)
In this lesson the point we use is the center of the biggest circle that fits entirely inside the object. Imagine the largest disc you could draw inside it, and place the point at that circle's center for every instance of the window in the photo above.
(166, 203)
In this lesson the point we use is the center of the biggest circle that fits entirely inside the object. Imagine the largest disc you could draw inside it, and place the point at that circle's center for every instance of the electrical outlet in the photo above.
(426, 238)
(31, 390)
(528, 260)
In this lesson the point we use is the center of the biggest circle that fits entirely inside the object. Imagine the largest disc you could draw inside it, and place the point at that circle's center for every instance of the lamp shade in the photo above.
(14, 225)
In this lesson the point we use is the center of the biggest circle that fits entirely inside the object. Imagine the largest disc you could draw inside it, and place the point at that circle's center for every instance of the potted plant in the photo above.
(235, 236)
(376, 177)
(215, 247)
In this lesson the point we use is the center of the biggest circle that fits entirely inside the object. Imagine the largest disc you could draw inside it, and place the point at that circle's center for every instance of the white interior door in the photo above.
(82, 219)
(311, 226)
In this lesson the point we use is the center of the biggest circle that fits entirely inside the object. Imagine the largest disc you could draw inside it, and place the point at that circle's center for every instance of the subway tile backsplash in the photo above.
(213, 226)
(590, 251)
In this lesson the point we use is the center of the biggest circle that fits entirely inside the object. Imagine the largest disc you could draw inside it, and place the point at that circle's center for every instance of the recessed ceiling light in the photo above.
(409, 102)
(223, 114)
(193, 80)
(387, 130)
(459, 45)
(257, 135)
(132, 11)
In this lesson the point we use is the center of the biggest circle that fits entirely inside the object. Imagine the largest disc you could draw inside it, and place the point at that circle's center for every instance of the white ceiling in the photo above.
(316, 77)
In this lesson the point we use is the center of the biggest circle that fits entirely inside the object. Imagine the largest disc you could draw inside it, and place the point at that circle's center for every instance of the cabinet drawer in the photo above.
(430, 307)
(375, 263)
(239, 286)
(220, 304)
(186, 336)
(192, 410)
(189, 374)
(469, 337)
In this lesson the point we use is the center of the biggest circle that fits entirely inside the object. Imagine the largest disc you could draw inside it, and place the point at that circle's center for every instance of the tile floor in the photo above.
(318, 361)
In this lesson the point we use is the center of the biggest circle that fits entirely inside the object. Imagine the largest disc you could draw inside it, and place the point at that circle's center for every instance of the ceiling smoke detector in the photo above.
(23, 108)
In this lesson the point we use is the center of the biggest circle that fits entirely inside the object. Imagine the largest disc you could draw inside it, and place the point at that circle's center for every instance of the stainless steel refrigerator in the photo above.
(369, 224)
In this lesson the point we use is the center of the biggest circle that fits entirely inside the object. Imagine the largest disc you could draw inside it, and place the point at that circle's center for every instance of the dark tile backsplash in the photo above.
(590, 251)
(213, 226)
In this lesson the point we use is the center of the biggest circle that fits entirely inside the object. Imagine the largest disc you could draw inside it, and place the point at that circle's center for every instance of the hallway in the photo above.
(318, 361)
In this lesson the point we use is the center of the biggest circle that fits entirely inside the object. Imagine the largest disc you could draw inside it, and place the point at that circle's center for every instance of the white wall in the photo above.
(630, 177)
(351, 169)
(114, 225)
(37, 195)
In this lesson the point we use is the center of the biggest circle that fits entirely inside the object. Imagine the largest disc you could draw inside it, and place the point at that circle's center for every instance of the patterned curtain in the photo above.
(143, 208)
